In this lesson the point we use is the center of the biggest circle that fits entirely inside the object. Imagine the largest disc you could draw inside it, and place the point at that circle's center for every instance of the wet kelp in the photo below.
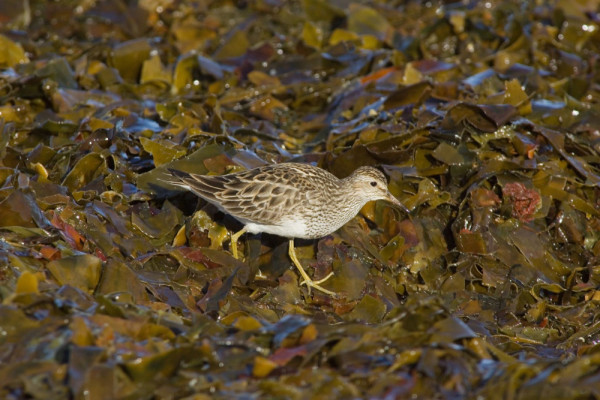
(483, 114)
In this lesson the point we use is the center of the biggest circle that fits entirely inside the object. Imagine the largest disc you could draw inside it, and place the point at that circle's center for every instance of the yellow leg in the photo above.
(234, 239)
(307, 281)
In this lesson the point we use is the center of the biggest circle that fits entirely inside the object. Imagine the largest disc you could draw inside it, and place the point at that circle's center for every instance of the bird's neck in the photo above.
(351, 198)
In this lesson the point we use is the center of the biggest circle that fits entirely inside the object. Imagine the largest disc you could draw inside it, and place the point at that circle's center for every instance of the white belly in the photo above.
(289, 229)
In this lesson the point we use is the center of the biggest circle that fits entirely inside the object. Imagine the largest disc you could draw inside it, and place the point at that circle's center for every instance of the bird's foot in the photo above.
(304, 282)
(307, 281)
(317, 285)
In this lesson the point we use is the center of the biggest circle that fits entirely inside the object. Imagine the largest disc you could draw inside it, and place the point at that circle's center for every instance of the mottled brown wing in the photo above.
(201, 185)
(260, 195)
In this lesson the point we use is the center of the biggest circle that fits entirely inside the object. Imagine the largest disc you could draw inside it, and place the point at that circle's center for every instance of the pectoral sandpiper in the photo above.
(290, 200)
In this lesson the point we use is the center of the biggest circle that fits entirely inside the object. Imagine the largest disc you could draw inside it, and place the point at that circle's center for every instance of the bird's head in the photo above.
(372, 185)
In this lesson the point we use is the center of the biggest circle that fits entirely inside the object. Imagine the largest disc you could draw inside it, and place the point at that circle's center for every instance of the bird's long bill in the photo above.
(397, 203)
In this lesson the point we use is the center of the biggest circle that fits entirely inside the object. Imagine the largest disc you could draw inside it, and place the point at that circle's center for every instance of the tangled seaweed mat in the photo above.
(484, 115)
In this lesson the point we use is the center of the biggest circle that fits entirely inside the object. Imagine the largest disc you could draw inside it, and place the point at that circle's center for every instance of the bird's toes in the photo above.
(310, 284)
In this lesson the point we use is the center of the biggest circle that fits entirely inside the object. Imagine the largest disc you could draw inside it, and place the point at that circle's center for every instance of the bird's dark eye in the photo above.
(373, 183)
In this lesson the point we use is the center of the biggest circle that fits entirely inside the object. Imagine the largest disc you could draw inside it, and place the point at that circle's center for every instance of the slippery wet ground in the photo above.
(484, 115)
